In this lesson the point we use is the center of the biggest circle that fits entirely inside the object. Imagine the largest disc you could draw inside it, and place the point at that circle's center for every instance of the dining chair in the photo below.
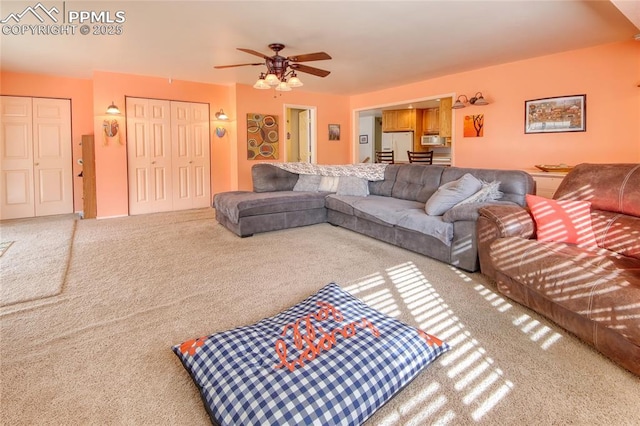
(385, 157)
(420, 157)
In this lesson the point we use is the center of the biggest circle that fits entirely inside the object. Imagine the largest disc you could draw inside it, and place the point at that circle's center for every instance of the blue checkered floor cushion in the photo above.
(330, 359)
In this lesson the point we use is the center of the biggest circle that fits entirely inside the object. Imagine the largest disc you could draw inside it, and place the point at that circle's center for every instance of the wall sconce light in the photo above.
(220, 115)
(113, 109)
(220, 131)
(475, 100)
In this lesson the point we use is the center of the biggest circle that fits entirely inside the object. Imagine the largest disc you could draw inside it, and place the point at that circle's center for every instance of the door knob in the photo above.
(36, 164)
(153, 162)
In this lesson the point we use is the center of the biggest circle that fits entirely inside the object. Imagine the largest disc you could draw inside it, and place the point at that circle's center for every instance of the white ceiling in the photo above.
(374, 44)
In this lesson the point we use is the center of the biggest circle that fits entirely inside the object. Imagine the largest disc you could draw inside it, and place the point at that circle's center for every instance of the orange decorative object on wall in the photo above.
(474, 126)
(262, 137)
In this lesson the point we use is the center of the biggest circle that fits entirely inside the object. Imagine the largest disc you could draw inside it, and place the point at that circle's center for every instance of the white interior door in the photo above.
(36, 175)
(16, 142)
(149, 155)
(303, 136)
(191, 165)
(168, 155)
(53, 173)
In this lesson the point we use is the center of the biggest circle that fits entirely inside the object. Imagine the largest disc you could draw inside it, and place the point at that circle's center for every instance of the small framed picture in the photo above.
(364, 139)
(334, 132)
(558, 114)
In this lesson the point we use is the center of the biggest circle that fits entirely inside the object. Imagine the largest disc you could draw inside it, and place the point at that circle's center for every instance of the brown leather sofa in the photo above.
(593, 292)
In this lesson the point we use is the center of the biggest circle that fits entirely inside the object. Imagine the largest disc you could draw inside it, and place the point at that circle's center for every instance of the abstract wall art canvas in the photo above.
(262, 137)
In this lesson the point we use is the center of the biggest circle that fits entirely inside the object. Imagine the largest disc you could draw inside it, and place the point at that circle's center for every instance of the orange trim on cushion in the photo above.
(190, 346)
(430, 339)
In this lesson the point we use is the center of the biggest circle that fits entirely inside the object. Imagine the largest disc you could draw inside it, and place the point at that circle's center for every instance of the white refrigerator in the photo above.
(399, 143)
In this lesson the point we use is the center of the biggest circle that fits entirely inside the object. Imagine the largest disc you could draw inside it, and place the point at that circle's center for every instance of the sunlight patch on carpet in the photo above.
(481, 383)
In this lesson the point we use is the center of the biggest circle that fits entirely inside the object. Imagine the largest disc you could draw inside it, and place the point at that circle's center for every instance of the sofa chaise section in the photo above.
(271, 206)
(246, 213)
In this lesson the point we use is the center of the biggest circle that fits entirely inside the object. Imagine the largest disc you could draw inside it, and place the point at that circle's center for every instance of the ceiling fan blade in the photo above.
(238, 65)
(310, 70)
(253, 52)
(317, 56)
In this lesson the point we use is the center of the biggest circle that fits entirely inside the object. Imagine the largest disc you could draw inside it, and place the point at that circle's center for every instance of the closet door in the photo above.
(16, 144)
(149, 155)
(36, 164)
(191, 165)
(53, 183)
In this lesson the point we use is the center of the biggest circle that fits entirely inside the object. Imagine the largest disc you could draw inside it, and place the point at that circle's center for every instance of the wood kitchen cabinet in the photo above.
(400, 120)
(445, 117)
(431, 120)
(389, 120)
(438, 120)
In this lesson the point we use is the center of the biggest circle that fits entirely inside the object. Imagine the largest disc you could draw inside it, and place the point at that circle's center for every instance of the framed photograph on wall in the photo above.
(364, 139)
(558, 114)
(334, 132)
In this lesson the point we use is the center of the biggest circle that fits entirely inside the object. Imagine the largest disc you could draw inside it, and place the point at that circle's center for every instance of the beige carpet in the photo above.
(4, 246)
(35, 265)
(99, 352)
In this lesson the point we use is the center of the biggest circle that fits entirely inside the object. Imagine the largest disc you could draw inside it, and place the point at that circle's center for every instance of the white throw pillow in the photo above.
(329, 184)
(451, 193)
(488, 192)
(309, 183)
(352, 185)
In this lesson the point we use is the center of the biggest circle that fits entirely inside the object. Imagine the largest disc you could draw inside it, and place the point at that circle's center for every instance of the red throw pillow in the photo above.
(562, 221)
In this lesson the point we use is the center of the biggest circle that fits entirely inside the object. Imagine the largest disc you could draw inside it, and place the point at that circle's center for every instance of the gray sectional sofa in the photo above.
(393, 210)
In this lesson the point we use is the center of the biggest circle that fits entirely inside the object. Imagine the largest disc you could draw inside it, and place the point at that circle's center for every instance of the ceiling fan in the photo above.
(281, 71)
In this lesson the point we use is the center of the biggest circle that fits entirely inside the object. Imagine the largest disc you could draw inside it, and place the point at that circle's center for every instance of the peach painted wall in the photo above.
(607, 74)
(46, 86)
(111, 158)
(331, 109)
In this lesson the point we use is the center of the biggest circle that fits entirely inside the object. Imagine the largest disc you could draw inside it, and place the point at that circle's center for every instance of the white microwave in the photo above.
(431, 140)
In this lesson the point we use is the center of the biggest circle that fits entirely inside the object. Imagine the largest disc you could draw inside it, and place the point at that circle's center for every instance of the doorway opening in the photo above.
(429, 116)
(300, 134)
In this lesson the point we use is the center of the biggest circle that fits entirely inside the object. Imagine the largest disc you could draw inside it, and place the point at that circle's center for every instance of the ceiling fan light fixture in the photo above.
(280, 72)
(272, 79)
(283, 86)
(260, 84)
(294, 81)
